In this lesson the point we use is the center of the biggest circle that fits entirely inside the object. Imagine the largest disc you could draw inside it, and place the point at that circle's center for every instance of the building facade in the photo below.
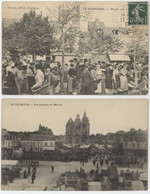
(77, 132)
(9, 144)
(38, 143)
(135, 146)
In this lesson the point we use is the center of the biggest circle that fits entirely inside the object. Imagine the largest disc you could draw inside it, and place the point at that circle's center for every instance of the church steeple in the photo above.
(70, 120)
(85, 118)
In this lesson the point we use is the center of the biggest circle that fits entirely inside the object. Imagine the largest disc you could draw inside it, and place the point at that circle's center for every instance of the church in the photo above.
(77, 132)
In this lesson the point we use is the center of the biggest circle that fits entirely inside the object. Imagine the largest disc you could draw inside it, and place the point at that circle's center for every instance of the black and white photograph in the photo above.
(74, 145)
(75, 48)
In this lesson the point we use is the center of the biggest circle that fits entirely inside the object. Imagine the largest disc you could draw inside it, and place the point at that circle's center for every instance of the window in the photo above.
(45, 144)
(133, 145)
(138, 145)
(126, 146)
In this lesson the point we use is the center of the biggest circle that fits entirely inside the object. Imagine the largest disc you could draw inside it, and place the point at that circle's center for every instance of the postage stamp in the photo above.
(138, 13)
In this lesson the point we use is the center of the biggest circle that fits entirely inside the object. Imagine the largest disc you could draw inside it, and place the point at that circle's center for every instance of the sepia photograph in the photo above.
(74, 145)
(75, 48)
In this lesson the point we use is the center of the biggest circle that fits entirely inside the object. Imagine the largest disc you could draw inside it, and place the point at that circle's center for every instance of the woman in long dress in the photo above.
(123, 79)
(116, 79)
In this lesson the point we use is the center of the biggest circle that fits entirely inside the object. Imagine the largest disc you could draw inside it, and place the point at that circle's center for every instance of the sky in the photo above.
(104, 115)
(113, 14)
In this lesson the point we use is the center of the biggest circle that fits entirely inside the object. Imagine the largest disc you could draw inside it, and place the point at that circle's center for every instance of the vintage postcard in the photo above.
(75, 48)
(74, 145)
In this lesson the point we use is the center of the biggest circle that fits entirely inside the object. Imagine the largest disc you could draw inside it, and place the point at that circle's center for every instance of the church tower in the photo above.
(77, 132)
(85, 129)
(69, 132)
(77, 136)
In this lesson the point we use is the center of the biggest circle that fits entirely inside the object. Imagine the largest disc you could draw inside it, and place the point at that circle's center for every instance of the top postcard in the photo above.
(75, 48)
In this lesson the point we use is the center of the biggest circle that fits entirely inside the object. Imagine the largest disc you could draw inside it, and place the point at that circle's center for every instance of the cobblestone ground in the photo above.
(44, 176)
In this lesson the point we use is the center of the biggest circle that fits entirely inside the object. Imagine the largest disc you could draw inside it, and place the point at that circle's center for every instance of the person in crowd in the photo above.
(113, 176)
(109, 72)
(52, 64)
(33, 177)
(32, 68)
(52, 79)
(143, 85)
(123, 78)
(101, 162)
(134, 178)
(25, 174)
(97, 166)
(52, 168)
(87, 81)
(14, 76)
(57, 73)
(131, 81)
(116, 78)
(98, 79)
(34, 170)
(9, 67)
(31, 73)
(93, 74)
(65, 79)
(39, 77)
(28, 169)
(137, 175)
(24, 86)
(103, 69)
(71, 79)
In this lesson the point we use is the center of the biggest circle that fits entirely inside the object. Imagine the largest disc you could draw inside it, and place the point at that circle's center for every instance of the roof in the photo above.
(38, 137)
(119, 57)
(66, 54)
(5, 132)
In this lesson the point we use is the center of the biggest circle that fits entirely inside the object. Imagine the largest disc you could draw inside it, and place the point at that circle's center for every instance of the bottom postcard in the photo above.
(74, 145)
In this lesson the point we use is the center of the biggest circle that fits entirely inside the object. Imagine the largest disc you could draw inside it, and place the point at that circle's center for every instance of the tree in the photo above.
(137, 48)
(32, 35)
(69, 12)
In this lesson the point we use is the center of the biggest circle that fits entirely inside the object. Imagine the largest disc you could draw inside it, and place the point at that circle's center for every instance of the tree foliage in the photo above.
(32, 35)
(100, 43)
(138, 45)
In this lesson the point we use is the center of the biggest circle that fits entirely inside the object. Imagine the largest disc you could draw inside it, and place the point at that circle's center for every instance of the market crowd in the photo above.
(77, 77)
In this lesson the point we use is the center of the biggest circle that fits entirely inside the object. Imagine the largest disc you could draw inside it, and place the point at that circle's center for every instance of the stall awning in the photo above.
(119, 57)
(9, 163)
